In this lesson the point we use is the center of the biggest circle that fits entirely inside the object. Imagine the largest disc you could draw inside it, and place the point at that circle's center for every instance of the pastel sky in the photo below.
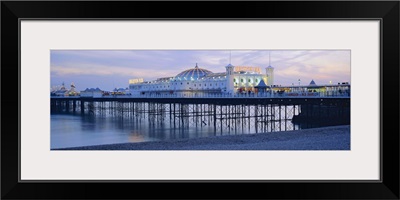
(108, 69)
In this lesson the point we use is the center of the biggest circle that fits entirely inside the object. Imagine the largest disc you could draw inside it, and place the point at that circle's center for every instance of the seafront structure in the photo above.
(235, 79)
(63, 91)
(92, 92)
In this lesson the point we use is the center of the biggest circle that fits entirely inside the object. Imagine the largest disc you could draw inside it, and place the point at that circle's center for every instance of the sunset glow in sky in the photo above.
(109, 69)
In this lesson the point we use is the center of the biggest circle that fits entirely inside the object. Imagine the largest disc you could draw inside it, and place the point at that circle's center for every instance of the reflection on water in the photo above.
(76, 130)
(71, 130)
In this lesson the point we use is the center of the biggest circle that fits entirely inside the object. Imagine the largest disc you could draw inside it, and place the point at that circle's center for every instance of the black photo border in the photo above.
(385, 11)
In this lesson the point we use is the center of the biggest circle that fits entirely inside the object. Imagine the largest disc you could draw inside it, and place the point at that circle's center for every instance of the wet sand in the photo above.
(327, 138)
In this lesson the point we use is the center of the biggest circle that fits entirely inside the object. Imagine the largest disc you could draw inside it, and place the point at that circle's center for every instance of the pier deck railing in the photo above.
(244, 95)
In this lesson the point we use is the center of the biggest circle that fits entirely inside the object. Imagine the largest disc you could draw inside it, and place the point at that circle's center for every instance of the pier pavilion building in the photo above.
(197, 80)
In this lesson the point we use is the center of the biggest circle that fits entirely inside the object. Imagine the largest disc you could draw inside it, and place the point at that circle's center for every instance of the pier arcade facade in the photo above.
(239, 79)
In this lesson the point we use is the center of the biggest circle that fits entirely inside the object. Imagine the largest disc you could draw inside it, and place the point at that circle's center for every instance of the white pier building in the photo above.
(197, 80)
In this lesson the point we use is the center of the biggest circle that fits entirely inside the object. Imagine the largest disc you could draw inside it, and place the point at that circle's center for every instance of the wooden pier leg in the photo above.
(237, 116)
(243, 117)
(256, 117)
(196, 114)
(174, 114)
(220, 110)
(280, 118)
(181, 114)
(215, 116)
(133, 109)
(170, 113)
(285, 117)
(82, 107)
(67, 106)
(249, 116)
(274, 117)
(121, 109)
(269, 114)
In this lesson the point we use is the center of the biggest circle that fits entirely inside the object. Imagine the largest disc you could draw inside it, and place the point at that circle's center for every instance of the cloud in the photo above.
(120, 65)
(101, 70)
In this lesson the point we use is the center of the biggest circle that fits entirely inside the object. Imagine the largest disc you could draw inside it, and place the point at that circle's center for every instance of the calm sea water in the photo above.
(69, 130)
(76, 130)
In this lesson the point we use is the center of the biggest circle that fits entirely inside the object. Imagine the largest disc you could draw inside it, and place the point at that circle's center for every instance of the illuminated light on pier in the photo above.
(137, 80)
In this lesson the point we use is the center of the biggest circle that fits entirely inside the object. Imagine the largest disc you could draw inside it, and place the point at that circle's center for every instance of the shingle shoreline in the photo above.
(326, 138)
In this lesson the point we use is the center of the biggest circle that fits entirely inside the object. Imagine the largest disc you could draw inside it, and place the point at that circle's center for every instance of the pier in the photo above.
(223, 112)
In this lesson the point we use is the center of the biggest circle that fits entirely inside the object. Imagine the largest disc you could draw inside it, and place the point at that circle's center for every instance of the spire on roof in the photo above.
(230, 57)
(269, 61)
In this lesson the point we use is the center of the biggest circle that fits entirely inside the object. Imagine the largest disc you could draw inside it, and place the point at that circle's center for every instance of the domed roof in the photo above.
(193, 73)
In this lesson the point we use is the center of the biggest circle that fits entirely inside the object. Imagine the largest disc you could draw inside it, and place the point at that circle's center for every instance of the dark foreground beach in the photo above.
(327, 138)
